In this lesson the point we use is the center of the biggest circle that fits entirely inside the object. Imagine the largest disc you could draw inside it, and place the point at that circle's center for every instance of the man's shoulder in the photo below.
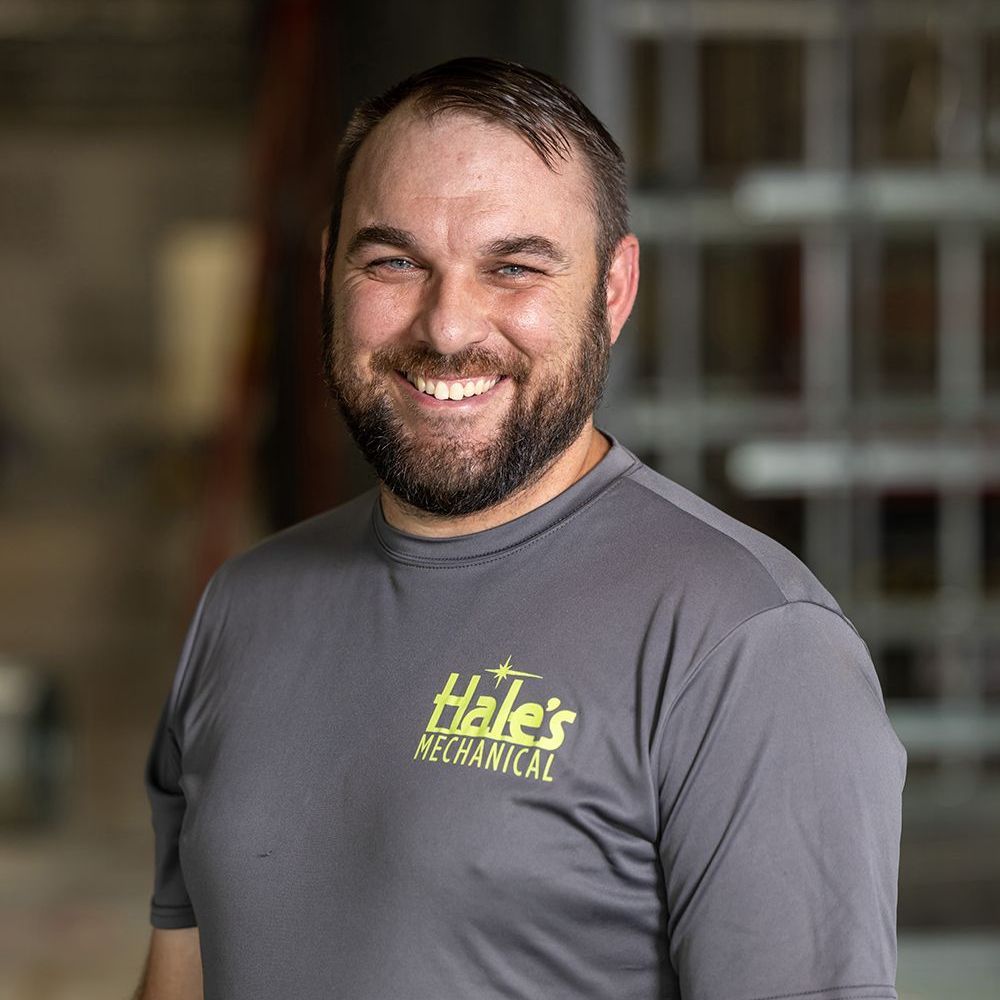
(706, 549)
(319, 545)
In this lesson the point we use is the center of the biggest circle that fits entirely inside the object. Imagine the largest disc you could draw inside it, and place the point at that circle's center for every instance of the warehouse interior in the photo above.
(816, 350)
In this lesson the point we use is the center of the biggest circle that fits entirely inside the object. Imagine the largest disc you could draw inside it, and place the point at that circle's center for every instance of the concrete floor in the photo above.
(73, 927)
(73, 922)
(949, 966)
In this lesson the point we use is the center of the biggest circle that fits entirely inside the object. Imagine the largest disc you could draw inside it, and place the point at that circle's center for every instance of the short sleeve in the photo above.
(780, 798)
(170, 907)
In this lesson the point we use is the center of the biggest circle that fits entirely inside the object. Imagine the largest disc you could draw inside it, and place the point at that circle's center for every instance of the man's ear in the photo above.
(322, 260)
(623, 281)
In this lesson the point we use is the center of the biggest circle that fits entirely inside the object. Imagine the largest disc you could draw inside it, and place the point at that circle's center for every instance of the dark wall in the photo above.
(307, 462)
(378, 44)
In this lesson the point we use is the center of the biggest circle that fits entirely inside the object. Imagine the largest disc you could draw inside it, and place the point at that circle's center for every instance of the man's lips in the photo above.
(451, 389)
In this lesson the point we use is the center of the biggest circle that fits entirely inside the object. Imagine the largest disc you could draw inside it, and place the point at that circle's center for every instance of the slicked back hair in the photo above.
(546, 114)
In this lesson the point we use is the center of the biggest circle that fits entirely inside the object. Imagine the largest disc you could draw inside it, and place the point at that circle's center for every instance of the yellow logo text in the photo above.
(480, 730)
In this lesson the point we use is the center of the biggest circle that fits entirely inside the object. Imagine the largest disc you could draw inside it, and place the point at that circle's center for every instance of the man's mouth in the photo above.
(454, 389)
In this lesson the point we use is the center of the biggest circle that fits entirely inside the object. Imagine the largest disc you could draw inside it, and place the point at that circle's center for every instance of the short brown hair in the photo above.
(546, 114)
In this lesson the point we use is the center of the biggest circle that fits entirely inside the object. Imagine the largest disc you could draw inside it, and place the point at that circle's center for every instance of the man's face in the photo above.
(469, 330)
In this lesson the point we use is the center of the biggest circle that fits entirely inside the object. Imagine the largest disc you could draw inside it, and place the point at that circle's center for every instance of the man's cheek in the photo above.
(534, 323)
(373, 318)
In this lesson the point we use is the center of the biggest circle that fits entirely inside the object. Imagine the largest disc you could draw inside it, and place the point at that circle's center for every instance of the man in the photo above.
(529, 720)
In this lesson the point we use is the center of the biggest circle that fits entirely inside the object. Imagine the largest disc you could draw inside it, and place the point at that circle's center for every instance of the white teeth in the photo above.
(455, 391)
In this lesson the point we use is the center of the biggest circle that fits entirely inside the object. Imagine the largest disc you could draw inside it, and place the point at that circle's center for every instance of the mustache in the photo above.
(470, 362)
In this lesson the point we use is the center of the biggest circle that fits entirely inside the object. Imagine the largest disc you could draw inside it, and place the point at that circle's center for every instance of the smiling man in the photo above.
(528, 720)
(473, 308)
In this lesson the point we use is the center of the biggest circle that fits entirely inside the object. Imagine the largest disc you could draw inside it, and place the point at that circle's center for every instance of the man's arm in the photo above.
(173, 967)
(780, 803)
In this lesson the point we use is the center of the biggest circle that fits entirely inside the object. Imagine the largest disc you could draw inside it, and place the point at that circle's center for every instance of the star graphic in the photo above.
(505, 670)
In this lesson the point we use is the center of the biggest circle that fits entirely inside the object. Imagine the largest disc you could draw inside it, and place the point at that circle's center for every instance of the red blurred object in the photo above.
(277, 395)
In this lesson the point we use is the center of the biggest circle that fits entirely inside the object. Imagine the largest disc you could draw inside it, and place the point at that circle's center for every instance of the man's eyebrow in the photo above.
(385, 235)
(536, 246)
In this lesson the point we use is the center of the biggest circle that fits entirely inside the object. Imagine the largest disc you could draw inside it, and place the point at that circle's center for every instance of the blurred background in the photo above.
(816, 349)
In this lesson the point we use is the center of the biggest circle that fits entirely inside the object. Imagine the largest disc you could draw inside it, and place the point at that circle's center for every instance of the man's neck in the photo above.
(574, 463)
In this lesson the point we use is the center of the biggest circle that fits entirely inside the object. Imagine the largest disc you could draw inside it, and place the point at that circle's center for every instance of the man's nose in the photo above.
(452, 314)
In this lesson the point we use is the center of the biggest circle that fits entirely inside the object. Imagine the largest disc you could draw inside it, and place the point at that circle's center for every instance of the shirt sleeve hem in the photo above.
(882, 991)
(170, 918)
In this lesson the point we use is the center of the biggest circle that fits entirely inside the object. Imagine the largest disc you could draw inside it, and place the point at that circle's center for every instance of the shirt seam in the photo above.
(485, 558)
(891, 995)
(169, 908)
(699, 664)
(663, 725)
(753, 555)
(786, 599)
(183, 673)
(183, 669)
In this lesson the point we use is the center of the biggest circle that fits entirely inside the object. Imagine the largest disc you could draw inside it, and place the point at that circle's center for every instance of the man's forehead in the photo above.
(453, 179)
(410, 134)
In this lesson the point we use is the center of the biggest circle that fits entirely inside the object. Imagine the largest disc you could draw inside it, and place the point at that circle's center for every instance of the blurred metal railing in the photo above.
(847, 440)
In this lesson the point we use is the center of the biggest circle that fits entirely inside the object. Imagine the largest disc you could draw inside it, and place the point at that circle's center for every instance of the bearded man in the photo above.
(528, 720)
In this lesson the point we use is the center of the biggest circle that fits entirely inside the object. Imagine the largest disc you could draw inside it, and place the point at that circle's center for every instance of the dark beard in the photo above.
(432, 475)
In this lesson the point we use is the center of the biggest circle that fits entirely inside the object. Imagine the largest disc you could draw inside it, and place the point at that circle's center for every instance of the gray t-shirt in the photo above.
(622, 747)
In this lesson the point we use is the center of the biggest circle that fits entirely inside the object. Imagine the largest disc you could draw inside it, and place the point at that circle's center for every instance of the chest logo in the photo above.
(498, 731)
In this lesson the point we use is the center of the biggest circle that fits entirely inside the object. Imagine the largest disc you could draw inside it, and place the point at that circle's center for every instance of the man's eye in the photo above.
(393, 264)
(514, 270)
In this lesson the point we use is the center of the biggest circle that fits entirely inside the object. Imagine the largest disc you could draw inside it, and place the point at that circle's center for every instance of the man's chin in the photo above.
(448, 465)
(448, 447)
(447, 477)
(439, 498)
